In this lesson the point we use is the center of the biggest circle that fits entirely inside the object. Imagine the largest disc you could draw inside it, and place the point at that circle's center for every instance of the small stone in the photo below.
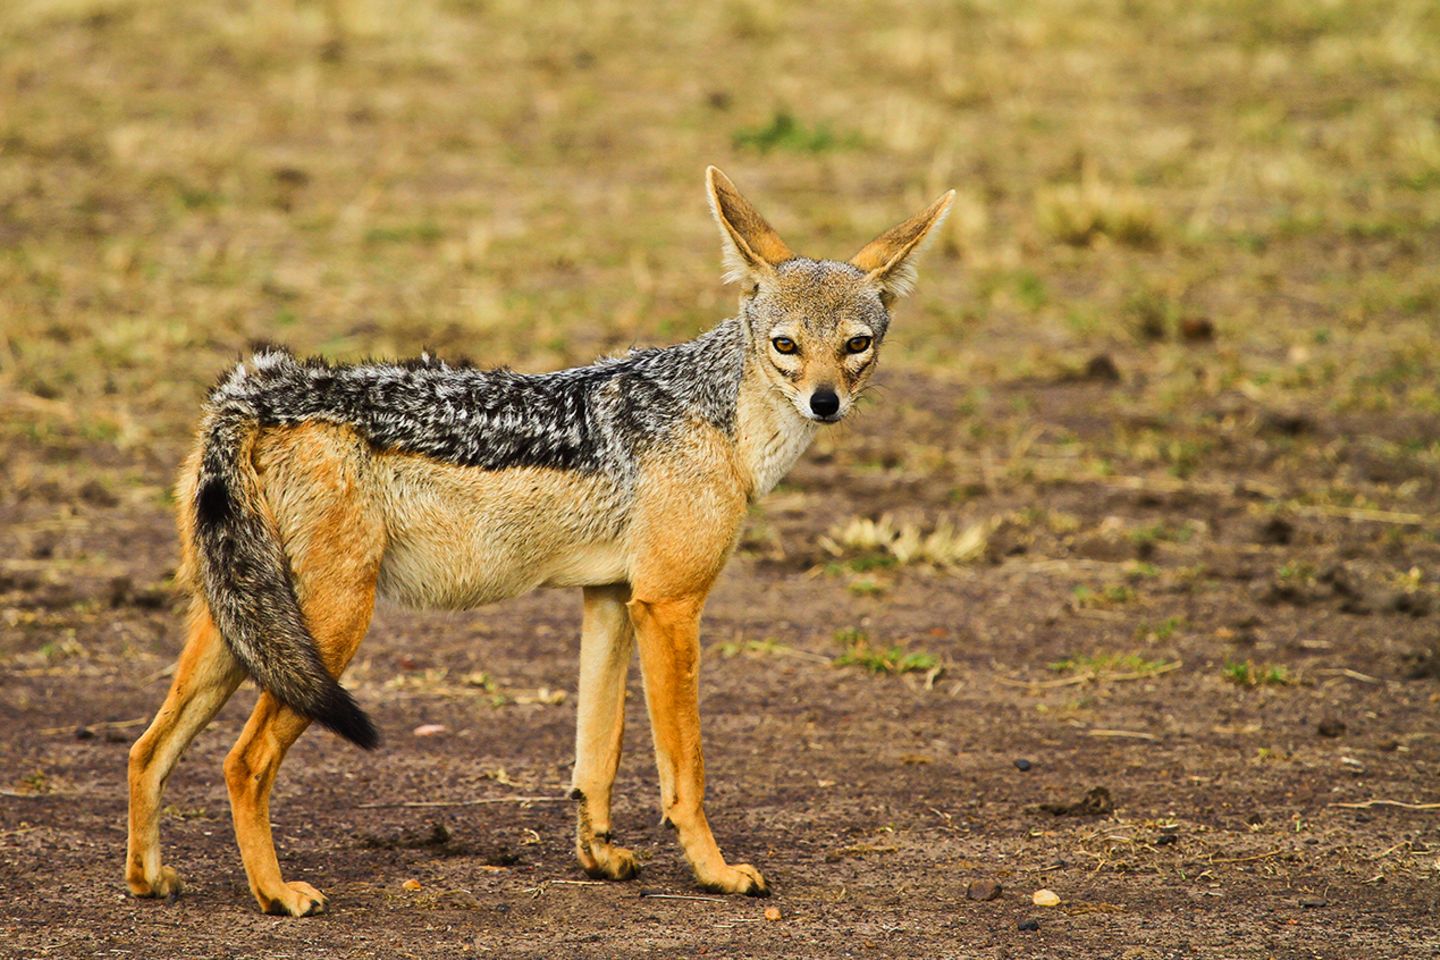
(1023, 765)
(1331, 727)
(1028, 924)
(1045, 898)
(1102, 368)
(983, 890)
(1388, 746)
(1165, 839)
(1314, 903)
(1097, 802)
(1196, 329)
(1276, 530)
(772, 913)
(412, 884)
(97, 494)
(1286, 422)
(430, 730)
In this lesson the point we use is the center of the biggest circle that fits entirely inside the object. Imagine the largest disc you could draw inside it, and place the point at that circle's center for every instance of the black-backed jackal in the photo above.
(314, 487)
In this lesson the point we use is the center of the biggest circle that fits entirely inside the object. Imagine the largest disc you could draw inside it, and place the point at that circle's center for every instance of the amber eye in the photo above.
(784, 345)
(857, 344)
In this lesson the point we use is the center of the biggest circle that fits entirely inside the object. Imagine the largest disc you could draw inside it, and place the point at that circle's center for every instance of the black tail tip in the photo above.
(343, 716)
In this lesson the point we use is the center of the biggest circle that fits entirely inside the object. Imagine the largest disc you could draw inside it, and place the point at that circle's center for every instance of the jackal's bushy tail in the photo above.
(245, 576)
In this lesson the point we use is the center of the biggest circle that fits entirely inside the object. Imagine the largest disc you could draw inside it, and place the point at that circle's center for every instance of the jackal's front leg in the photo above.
(669, 640)
(606, 642)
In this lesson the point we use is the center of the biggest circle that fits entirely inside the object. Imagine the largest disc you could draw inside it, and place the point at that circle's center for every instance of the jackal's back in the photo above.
(599, 418)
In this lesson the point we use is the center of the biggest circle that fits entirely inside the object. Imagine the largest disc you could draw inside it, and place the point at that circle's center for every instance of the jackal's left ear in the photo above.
(751, 247)
(889, 258)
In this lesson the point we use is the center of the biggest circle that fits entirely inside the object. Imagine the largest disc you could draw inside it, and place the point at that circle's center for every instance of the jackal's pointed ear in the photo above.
(889, 258)
(751, 247)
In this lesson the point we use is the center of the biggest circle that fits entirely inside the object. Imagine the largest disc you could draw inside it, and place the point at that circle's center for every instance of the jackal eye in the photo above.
(858, 344)
(785, 345)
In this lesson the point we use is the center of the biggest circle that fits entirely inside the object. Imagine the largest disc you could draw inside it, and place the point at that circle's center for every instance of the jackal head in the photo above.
(815, 326)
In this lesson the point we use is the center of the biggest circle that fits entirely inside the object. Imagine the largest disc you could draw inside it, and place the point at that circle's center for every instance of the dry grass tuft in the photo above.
(906, 543)
(1080, 214)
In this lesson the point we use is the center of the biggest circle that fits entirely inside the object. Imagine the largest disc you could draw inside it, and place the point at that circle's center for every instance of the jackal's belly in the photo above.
(462, 576)
(461, 537)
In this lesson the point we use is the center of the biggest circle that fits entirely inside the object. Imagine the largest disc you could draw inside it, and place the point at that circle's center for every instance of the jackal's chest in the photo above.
(771, 448)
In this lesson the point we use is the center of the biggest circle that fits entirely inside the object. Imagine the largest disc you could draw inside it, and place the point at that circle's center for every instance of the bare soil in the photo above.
(869, 800)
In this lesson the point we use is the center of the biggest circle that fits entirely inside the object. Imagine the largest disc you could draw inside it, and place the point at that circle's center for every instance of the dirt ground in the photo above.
(871, 801)
(1145, 510)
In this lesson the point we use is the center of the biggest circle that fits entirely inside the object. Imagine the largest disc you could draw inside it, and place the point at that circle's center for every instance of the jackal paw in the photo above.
(295, 899)
(603, 861)
(737, 878)
(167, 885)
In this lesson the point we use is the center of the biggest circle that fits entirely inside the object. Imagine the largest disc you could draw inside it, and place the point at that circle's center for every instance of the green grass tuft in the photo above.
(784, 132)
(1099, 665)
(858, 651)
(1247, 673)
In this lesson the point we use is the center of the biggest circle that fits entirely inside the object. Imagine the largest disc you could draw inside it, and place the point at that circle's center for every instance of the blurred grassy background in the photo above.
(1226, 198)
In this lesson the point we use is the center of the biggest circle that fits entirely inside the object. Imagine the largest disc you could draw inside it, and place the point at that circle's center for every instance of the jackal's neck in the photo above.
(770, 434)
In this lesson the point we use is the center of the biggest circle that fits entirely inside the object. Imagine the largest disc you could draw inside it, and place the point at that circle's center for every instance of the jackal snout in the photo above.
(816, 324)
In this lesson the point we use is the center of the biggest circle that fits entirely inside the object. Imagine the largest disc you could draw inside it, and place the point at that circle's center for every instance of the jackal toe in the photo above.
(737, 878)
(296, 899)
(166, 885)
(608, 862)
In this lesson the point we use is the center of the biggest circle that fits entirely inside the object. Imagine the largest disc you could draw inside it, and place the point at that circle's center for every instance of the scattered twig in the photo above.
(1092, 675)
(1352, 674)
(1258, 856)
(1367, 804)
(165, 671)
(1385, 853)
(457, 803)
(1363, 514)
(1122, 734)
(536, 891)
(1086, 613)
(651, 895)
(1171, 485)
(103, 725)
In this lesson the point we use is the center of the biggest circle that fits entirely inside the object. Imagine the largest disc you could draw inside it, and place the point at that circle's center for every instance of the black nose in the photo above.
(824, 402)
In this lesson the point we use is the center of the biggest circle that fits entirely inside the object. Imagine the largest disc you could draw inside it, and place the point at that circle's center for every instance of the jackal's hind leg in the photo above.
(335, 539)
(606, 642)
(338, 620)
(205, 677)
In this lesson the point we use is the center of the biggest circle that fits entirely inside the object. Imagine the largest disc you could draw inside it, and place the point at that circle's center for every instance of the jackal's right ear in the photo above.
(751, 247)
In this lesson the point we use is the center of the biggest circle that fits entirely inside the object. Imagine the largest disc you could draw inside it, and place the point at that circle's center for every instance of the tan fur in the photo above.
(356, 523)
(607, 639)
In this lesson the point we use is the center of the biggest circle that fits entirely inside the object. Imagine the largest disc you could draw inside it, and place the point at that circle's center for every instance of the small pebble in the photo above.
(1023, 765)
(1028, 924)
(430, 729)
(1102, 367)
(772, 913)
(983, 890)
(1045, 898)
(1165, 839)
(412, 884)
(1314, 902)
(1196, 329)
(1330, 727)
